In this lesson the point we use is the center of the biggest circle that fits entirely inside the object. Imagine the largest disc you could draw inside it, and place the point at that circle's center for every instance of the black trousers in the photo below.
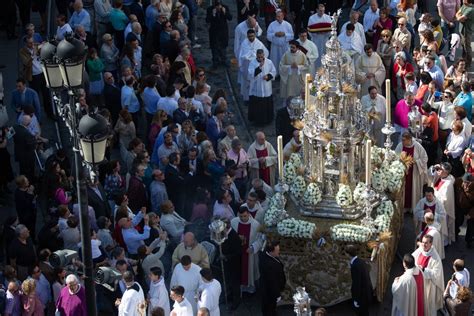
(38, 83)
(269, 306)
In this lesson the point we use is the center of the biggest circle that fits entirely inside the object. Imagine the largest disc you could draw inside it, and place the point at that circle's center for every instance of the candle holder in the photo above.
(388, 130)
(218, 230)
(371, 200)
(302, 302)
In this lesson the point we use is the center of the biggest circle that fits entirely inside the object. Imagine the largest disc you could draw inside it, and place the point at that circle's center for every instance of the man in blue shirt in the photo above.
(23, 96)
(132, 238)
(464, 99)
(130, 101)
(80, 17)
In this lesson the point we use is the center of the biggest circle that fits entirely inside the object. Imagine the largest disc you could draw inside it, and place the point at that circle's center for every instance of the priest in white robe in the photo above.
(261, 74)
(429, 203)
(427, 259)
(210, 292)
(293, 68)
(248, 52)
(319, 25)
(312, 53)
(240, 33)
(247, 229)
(359, 28)
(432, 229)
(351, 41)
(133, 299)
(263, 160)
(416, 176)
(408, 290)
(187, 275)
(293, 146)
(254, 207)
(443, 184)
(369, 69)
(279, 33)
(374, 104)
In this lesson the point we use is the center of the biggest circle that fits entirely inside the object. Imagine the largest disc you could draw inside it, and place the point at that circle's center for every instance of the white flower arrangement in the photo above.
(298, 187)
(276, 210)
(385, 208)
(377, 155)
(350, 233)
(296, 228)
(358, 193)
(289, 173)
(312, 195)
(396, 173)
(278, 200)
(344, 195)
(295, 160)
(379, 180)
(382, 223)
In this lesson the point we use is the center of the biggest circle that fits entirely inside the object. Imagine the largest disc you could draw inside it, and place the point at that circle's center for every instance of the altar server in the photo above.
(312, 52)
(241, 32)
(351, 41)
(433, 230)
(293, 68)
(158, 294)
(263, 159)
(374, 104)
(248, 53)
(261, 73)
(443, 184)
(133, 299)
(417, 173)
(279, 33)
(319, 25)
(210, 291)
(187, 275)
(246, 227)
(427, 259)
(369, 69)
(181, 306)
(408, 291)
(429, 203)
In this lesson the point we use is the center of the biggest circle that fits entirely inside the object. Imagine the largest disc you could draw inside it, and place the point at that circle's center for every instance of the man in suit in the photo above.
(272, 277)
(184, 112)
(137, 192)
(25, 145)
(97, 199)
(283, 124)
(214, 128)
(170, 48)
(175, 181)
(112, 96)
(361, 288)
(23, 95)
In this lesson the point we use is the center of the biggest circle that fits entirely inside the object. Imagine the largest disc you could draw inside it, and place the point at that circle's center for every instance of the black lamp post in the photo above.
(63, 67)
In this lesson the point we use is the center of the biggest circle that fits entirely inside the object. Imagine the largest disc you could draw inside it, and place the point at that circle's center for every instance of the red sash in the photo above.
(244, 230)
(320, 27)
(425, 231)
(438, 184)
(423, 260)
(264, 172)
(420, 300)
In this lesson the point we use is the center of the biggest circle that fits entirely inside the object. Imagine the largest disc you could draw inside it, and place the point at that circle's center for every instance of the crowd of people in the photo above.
(175, 161)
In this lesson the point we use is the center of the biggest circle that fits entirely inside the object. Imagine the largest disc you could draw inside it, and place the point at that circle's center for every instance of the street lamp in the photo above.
(63, 67)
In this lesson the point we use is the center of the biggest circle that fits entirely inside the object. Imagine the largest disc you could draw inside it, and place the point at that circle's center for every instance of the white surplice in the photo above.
(292, 79)
(440, 218)
(260, 87)
(270, 161)
(248, 52)
(434, 280)
(445, 194)
(279, 44)
(359, 29)
(209, 298)
(158, 296)
(373, 64)
(184, 308)
(379, 106)
(132, 299)
(240, 35)
(255, 243)
(312, 55)
(404, 292)
(190, 280)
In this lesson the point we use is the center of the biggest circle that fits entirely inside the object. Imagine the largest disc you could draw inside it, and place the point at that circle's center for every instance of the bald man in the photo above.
(192, 248)
(263, 159)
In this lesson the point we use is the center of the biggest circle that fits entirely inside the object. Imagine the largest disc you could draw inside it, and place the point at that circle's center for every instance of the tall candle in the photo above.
(388, 106)
(280, 156)
(306, 90)
(368, 162)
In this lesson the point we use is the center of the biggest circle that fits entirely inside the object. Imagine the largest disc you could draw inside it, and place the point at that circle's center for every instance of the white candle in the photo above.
(388, 106)
(280, 156)
(306, 90)
(368, 162)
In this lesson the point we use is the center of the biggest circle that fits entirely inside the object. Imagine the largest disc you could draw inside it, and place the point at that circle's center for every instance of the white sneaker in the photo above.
(196, 46)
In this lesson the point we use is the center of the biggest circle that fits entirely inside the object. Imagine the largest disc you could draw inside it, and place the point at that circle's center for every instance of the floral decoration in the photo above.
(350, 233)
(312, 195)
(276, 210)
(292, 227)
(298, 187)
(344, 195)
(358, 194)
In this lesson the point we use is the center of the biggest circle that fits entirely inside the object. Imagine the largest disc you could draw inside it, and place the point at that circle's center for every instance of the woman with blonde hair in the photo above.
(461, 304)
(32, 306)
(385, 49)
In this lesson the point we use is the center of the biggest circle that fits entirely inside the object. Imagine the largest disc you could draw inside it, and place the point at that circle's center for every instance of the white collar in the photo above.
(353, 259)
